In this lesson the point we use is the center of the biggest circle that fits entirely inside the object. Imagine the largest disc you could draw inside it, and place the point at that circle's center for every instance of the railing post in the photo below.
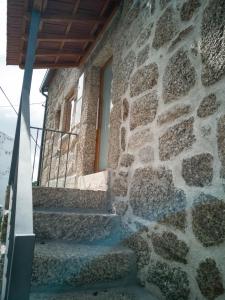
(20, 237)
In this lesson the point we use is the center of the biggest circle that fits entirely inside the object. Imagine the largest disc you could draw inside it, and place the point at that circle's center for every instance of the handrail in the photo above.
(20, 236)
(59, 155)
(53, 130)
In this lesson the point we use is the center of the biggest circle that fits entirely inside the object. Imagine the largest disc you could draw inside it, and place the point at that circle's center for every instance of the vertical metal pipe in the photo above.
(42, 156)
(49, 175)
(67, 155)
(15, 149)
(35, 151)
(16, 280)
(60, 151)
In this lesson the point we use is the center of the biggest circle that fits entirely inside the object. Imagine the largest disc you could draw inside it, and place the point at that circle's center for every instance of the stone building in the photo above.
(148, 111)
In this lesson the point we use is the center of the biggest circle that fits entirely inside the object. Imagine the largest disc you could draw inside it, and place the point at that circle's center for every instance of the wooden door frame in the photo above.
(99, 115)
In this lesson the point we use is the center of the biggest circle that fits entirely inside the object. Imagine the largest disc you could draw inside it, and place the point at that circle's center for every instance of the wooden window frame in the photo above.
(99, 116)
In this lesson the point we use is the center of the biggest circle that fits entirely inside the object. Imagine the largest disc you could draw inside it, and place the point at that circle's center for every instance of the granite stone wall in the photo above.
(168, 156)
(81, 154)
(167, 141)
(62, 87)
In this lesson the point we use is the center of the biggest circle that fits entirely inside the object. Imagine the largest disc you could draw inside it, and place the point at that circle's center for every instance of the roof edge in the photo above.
(49, 75)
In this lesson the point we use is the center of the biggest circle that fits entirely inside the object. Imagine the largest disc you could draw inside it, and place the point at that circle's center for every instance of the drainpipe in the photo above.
(42, 138)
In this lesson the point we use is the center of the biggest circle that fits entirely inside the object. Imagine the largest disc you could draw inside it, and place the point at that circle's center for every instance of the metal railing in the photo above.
(43, 155)
(20, 237)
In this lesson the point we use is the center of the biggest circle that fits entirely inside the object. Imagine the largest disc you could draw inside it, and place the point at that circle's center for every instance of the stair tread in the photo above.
(50, 197)
(74, 211)
(74, 225)
(119, 293)
(62, 265)
(60, 249)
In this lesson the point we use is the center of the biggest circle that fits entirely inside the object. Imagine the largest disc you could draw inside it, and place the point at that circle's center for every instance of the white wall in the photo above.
(6, 145)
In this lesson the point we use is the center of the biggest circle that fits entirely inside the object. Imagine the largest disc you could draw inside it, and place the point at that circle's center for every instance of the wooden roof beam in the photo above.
(45, 37)
(46, 53)
(53, 65)
(70, 18)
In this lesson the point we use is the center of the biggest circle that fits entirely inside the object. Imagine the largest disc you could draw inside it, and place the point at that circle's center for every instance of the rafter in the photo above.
(60, 37)
(39, 65)
(69, 18)
(75, 9)
(45, 53)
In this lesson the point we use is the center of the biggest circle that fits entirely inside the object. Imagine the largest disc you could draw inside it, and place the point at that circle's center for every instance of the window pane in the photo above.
(72, 114)
(80, 86)
(78, 105)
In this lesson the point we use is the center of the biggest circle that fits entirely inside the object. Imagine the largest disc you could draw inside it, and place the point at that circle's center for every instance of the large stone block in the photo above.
(166, 28)
(143, 110)
(209, 279)
(140, 246)
(169, 246)
(120, 186)
(176, 139)
(173, 114)
(213, 40)
(114, 135)
(123, 136)
(121, 75)
(221, 143)
(154, 197)
(125, 109)
(188, 9)
(144, 79)
(198, 170)
(208, 220)
(208, 106)
(179, 76)
(172, 281)
(126, 160)
(139, 139)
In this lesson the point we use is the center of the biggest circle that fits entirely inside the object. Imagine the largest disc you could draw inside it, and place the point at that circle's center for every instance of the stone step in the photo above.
(75, 225)
(48, 197)
(58, 265)
(119, 293)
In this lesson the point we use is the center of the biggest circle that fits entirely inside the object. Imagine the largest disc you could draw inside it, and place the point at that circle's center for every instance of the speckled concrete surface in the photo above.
(128, 293)
(53, 225)
(44, 197)
(64, 264)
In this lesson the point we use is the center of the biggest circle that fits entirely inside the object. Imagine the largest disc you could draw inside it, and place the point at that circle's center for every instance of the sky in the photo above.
(11, 82)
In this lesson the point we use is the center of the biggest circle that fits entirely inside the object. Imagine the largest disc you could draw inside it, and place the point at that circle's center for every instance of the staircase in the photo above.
(78, 252)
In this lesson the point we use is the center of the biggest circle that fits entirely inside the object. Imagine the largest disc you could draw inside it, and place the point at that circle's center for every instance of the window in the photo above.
(57, 119)
(66, 116)
(76, 103)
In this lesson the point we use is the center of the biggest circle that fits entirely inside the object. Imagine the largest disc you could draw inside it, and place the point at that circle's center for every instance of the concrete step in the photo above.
(48, 197)
(119, 293)
(75, 225)
(60, 265)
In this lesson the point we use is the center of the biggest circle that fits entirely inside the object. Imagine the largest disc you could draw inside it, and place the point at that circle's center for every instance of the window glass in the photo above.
(80, 86)
(72, 113)
(78, 111)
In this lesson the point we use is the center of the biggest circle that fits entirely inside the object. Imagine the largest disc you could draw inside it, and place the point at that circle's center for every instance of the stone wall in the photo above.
(62, 87)
(167, 141)
(81, 155)
(168, 138)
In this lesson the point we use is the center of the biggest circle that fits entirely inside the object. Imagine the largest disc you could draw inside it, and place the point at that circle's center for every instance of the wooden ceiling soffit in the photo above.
(66, 36)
